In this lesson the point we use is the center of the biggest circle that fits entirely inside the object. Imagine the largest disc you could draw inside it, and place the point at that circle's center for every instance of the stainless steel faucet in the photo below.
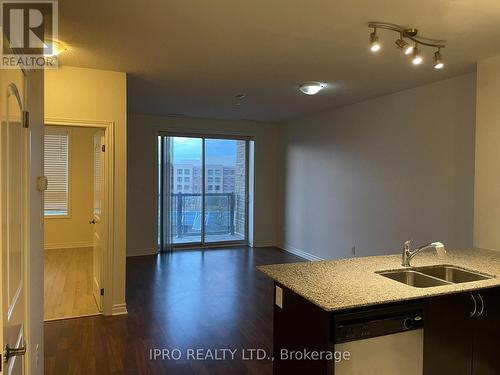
(408, 254)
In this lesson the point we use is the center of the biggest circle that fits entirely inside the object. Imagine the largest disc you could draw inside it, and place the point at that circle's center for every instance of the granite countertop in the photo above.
(335, 285)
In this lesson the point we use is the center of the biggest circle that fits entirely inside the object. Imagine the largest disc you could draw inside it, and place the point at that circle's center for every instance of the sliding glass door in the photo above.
(225, 190)
(203, 184)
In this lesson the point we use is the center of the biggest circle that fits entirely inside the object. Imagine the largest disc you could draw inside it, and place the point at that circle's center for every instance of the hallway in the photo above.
(209, 299)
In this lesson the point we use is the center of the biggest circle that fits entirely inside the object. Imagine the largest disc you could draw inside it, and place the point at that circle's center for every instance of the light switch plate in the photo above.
(279, 297)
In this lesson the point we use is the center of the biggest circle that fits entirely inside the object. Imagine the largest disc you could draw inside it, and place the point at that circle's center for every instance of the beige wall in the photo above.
(97, 95)
(377, 173)
(142, 175)
(487, 187)
(75, 230)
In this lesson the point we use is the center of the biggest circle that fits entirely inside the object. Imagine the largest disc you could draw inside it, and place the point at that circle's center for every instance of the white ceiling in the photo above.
(191, 57)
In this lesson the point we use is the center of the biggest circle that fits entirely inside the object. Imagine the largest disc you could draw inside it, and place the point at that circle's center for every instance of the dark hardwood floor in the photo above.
(199, 299)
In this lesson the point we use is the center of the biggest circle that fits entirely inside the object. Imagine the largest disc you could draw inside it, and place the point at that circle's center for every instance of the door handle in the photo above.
(92, 221)
(13, 352)
(475, 305)
(481, 311)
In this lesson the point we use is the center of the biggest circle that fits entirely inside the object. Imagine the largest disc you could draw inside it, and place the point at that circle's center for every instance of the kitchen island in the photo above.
(461, 321)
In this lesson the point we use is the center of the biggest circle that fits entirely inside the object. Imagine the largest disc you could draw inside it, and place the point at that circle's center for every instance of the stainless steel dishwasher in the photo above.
(385, 341)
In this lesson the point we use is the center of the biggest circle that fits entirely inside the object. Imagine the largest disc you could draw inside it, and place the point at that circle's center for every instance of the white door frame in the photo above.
(25, 140)
(109, 161)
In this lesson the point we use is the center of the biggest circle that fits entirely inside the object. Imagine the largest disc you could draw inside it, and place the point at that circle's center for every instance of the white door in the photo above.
(14, 219)
(98, 221)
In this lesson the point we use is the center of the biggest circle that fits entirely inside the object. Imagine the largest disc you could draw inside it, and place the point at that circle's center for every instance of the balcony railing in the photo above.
(220, 214)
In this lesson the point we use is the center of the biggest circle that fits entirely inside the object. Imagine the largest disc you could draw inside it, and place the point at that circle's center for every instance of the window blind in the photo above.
(98, 171)
(56, 167)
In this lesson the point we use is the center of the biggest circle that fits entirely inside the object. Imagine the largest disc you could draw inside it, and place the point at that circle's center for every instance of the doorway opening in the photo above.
(203, 185)
(74, 221)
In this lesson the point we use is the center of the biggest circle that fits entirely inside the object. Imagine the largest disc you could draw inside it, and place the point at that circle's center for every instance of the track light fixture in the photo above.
(417, 57)
(408, 50)
(374, 41)
(407, 42)
(438, 60)
(401, 43)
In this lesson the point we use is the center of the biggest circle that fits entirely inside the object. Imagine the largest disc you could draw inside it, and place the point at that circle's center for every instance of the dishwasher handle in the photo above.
(358, 329)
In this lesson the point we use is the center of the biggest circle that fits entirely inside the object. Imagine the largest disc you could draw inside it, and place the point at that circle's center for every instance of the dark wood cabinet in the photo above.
(461, 334)
(299, 326)
(448, 335)
(486, 355)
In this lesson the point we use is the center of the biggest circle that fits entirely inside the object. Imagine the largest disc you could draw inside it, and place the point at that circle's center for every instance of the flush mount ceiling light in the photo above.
(311, 88)
(408, 42)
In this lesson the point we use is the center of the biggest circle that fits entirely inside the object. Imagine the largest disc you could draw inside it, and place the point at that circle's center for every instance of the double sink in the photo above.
(425, 277)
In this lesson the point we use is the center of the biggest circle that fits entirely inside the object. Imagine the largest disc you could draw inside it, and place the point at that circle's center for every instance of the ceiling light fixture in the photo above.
(374, 41)
(438, 60)
(407, 47)
(311, 88)
(417, 57)
(56, 48)
(401, 43)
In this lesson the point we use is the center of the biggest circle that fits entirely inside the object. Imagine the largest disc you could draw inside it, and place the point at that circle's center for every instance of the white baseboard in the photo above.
(300, 253)
(67, 245)
(263, 244)
(119, 309)
(140, 252)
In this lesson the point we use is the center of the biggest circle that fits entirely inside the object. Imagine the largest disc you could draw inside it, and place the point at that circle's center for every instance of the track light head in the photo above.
(408, 50)
(404, 46)
(401, 43)
(417, 57)
(438, 60)
(374, 41)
